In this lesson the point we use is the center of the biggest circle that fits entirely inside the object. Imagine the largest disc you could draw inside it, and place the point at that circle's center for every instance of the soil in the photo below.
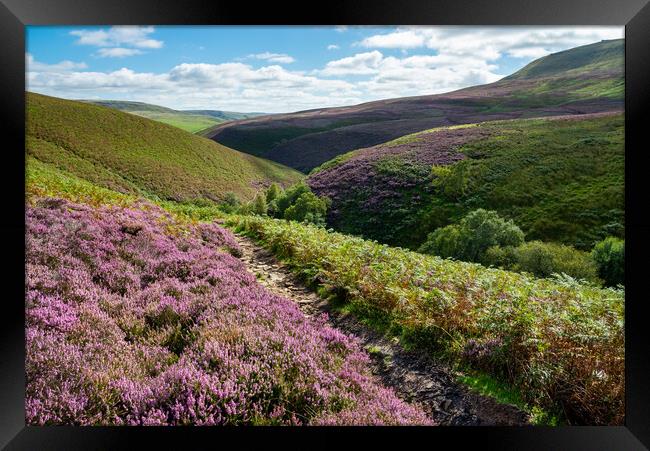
(414, 377)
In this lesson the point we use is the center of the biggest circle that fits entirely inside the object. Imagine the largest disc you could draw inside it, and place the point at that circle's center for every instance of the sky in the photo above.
(282, 69)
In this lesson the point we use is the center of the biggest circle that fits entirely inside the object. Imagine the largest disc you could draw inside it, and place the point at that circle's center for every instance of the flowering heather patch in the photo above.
(559, 178)
(389, 180)
(134, 320)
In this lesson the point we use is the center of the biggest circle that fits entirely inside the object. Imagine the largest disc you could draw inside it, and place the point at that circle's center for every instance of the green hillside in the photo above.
(560, 179)
(604, 56)
(131, 154)
(189, 121)
(586, 79)
(224, 115)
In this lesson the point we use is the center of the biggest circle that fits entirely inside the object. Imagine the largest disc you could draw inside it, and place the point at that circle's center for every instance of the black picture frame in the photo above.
(16, 14)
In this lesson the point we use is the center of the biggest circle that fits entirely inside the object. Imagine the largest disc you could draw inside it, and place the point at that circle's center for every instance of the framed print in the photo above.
(373, 219)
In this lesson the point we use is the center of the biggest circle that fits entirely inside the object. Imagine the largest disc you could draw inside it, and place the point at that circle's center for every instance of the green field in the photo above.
(190, 122)
(130, 154)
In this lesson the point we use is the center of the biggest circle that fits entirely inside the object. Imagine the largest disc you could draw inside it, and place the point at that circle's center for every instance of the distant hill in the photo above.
(192, 121)
(132, 154)
(581, 80)
(559, 178)
(224, 115)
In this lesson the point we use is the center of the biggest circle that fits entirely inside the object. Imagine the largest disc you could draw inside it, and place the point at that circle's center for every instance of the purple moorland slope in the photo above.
(582, 80)
(132, 319)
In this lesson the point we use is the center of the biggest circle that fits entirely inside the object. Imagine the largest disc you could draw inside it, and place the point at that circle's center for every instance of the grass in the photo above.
(190, 121)
(487, 385)
(538, 335)
(559, 180)
(604, 55)
(130, 154)
(45, 180)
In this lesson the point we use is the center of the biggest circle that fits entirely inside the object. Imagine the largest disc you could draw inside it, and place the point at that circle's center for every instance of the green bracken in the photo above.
(545, 331)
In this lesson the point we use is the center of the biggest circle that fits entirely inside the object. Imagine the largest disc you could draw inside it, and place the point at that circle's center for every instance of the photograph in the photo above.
(324, 225)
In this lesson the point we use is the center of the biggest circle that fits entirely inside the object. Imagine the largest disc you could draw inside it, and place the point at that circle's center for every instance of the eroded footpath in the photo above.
(414, 377)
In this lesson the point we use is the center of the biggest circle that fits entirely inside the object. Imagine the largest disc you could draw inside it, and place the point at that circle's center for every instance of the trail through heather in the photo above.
(414, 377)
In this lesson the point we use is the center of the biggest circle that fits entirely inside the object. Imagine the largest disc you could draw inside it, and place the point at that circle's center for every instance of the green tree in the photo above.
(289, 197)
(473, 236)
(273, 192)
(609, 256)
(258, 206)
(545, 259)
(308, 208)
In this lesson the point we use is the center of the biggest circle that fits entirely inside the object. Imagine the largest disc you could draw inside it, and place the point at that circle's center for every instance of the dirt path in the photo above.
(414, 378)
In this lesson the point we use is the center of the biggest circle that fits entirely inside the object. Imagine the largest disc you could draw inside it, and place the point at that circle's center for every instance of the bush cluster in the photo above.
(297, 203)
(484, 237)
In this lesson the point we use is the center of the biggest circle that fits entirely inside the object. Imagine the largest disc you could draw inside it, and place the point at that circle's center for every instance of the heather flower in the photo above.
(134, 319)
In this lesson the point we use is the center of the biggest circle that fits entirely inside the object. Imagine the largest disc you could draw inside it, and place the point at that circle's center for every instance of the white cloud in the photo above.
(359, 64)
(447, 59)
(491, 42)
(117, 52)
(391, 76)
(333, 47)
(406, 39)
(230, 86)
(341, 28)
(130, 36)
(280, 58)
(63, 66)
(529, 52)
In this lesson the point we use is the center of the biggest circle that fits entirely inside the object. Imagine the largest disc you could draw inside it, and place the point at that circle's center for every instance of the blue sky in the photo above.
(282, 69)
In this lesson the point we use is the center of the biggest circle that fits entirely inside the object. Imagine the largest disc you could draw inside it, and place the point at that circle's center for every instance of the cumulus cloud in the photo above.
(403, 39)
(117, 52)
(390, 76)
(341, 28)
(359, 64)
(231, 86)
(130, 36)
(63, 66)
(491, 42)
(439, 59)
(280, 58)
(333, 47)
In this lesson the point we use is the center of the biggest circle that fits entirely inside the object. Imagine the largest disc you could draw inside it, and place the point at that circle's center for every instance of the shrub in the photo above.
(473, 236)
(258, 206)
(273, 192)
(289, 197)
(299, 203)
(609, 256)
(502, 257)
(308, 208)
(545, 259)
(230, 203)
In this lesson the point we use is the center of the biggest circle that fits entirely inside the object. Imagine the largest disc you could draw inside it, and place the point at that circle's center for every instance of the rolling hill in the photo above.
(581, 80)
(132, 154)
(192, 121)
(559, 178)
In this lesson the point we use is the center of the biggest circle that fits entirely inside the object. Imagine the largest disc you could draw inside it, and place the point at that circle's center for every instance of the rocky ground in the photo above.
(414, 377)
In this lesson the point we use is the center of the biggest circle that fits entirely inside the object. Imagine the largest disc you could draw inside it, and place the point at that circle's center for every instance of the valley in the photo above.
(448, 259)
